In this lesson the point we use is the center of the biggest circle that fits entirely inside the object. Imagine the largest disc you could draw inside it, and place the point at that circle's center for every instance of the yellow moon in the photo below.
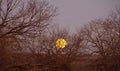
(61, 43)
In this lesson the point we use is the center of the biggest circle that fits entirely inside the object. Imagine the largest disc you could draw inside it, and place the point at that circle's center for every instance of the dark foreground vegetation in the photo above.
(27, 62)
(27, 40)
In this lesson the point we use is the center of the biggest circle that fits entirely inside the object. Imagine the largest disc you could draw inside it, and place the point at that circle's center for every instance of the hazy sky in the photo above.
(74, 13)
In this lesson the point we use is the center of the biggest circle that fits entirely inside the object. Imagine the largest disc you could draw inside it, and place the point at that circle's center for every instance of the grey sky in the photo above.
(74, 13)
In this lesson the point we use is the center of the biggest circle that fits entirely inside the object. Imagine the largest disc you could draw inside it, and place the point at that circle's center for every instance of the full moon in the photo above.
(61, 43)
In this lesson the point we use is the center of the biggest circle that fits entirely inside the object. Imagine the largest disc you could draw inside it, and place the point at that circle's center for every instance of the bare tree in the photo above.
(102, 37)
(20, 20)
(95, 34)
